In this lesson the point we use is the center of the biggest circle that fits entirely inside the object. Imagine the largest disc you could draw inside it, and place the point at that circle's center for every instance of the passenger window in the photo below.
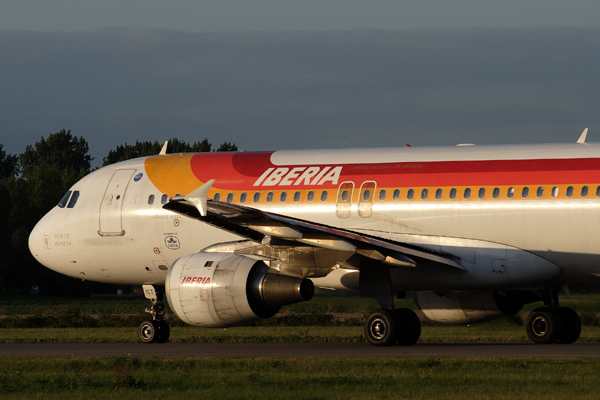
(230, 198)
(217, 197)
(496, 193)
(525, 192)
(73, 199)
(598, 191)
(324, 195)
(424, 194)
(410, 194)
(243, 198)
(256, 198)
(310, 196)
(554, 192)
(467, 193)
(63, 202)
(164, 199)
(367, 195)
(453, 193)
(481, 193)
(438, 193)
(344, 195)
(570, 191)
(382, 193)
(584, 191)
(510, 192)
(269, 197)
(540, 192)
(283, 197)
(151, 199)
(396, 194)
(296, 197)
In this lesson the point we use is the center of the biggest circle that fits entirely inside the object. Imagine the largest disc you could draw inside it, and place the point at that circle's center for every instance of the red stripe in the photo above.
(239, 171)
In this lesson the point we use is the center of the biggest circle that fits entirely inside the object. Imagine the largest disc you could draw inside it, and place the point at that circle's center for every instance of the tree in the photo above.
(226, 146)
(52, 166)
(147, 148)
(9, 168)
(9, 165)
(48, 170)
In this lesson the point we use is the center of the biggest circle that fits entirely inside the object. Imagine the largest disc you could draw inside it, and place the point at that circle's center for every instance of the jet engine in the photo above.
(464, 307)
(221, 289)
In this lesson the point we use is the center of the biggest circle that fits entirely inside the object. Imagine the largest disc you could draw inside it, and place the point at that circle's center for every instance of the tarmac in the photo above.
(203, 350)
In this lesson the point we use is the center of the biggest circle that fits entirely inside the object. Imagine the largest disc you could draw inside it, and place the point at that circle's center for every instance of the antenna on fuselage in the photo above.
(163, 151)
(582, 137)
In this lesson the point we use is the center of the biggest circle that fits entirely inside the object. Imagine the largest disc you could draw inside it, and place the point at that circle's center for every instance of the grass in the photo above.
(480, 333)
(445, 378)
(299, 378)
(326, 318)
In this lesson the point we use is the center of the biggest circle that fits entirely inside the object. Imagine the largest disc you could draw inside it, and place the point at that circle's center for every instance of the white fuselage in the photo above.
(546, 238)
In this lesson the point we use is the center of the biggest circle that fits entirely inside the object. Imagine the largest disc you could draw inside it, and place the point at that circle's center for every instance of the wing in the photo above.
(258, 226)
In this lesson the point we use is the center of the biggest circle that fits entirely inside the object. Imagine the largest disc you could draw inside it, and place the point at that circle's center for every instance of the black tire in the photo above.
(163, 331)
(544, 326)
(381, 328)
(409, 328)
(571, 325)
(148, 332)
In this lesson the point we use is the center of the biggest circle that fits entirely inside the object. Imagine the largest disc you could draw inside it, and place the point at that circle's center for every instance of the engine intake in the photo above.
(223, 289)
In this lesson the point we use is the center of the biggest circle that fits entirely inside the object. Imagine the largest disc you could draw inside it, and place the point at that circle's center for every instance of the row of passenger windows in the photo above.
(270, 196)
(163, 199)
(256, 197)
(467, 193)
(410, 194)
(481, 192)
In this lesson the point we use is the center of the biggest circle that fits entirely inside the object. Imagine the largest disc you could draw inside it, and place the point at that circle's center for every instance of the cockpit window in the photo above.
(63, 202)
(73, 200)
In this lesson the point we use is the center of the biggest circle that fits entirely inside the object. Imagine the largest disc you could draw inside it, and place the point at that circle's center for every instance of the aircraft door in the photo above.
(112, 204)
(344, 199)
(365, 199)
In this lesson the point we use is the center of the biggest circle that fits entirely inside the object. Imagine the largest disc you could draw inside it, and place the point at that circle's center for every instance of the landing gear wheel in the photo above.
(544, 326)
(381, 328)
(409, 328)
(148, 331)
(163, 331)
(571, 325)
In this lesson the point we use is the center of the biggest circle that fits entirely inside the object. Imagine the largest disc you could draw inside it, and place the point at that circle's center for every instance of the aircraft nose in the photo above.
(53, 241)
(39, 240)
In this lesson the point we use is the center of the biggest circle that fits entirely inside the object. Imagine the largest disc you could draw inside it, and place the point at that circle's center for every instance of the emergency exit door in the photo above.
(344, 199)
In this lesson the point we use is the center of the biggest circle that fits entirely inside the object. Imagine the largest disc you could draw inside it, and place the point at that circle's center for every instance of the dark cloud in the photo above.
(281, 90)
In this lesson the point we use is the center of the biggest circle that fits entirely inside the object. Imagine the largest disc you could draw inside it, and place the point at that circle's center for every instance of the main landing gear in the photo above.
(552, 323)
(387, 327)
(156, 330)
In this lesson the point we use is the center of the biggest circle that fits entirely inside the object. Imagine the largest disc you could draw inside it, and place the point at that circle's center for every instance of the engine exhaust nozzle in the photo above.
(281, 290)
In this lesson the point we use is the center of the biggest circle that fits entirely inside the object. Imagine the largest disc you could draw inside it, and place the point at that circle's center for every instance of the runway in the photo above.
(296, 350)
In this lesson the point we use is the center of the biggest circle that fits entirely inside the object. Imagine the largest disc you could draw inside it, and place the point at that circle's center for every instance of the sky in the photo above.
(270, 75)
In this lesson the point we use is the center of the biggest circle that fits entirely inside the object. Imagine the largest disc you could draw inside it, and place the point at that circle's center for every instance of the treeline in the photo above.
(32, 183)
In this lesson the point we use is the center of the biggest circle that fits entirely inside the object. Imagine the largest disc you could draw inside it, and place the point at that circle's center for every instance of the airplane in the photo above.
(472, 232)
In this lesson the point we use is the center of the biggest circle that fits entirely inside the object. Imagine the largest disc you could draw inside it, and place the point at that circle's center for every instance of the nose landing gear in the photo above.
(157, 330)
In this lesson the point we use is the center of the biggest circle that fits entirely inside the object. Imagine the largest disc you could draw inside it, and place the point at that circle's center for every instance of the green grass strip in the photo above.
(299, 378)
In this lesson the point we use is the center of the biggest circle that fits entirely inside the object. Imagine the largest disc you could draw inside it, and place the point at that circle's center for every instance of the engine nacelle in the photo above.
(463, 307)
(220, 289)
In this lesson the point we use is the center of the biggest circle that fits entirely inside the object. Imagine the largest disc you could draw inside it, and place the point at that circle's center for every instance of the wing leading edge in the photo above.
(258, 226)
